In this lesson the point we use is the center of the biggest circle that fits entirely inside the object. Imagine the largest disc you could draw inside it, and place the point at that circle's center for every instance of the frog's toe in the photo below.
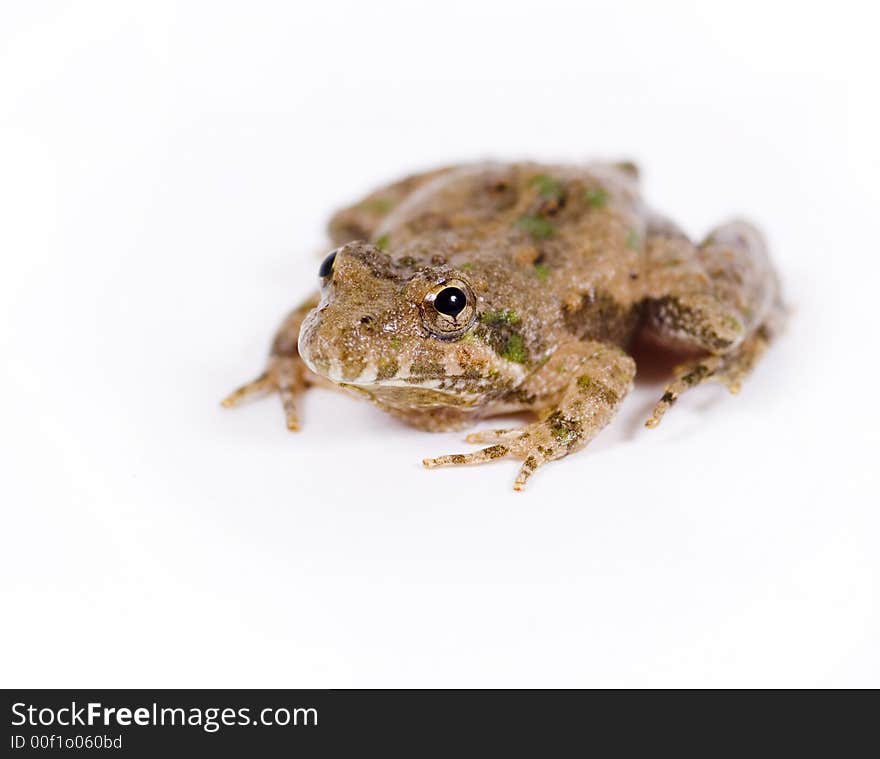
(290, 384)
(259, 386)
(291, 418)
(477, 457)
(531, 463)
(493, 436)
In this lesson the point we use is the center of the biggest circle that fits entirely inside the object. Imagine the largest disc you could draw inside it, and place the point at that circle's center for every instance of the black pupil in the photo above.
(450, 301)
(327, 265)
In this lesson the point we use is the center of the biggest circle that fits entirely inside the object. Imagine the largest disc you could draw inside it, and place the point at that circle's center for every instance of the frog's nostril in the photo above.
(366, 326)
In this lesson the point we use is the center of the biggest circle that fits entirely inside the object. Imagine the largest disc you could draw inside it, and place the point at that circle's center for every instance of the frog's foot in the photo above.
(286, 376)
(729, 369)
(286, 373)
(598, 378)
(534, 443)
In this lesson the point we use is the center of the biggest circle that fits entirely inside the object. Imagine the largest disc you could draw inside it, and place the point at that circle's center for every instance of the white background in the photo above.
(166, 170)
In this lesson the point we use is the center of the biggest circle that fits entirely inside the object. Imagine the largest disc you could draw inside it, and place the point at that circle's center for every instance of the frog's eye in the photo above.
(327, 265)
(449, 309)
(450, 301)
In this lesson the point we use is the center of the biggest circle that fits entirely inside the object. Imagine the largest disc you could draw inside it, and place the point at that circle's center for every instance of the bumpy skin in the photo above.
(560, 267)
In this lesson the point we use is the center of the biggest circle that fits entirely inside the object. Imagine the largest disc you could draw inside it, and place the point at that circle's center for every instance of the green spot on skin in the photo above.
(504, 316)
(597, 390)
(547, 186)
(596, 197)
(383, 242)
(542, 271)
(733, 323)
(538, 228)
(387, 368)
(565, 431)
(628, 167)
(562, 434)
(467, 266)
(396, 343)
(633, 241)
(515, 349)
(407, 260)
(377, 205)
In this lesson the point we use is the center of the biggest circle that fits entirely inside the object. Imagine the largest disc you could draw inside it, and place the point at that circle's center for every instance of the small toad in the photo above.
(472, 291)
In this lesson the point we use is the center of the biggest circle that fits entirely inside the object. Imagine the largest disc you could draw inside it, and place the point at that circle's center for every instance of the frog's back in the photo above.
(562, 241)
(558, 208)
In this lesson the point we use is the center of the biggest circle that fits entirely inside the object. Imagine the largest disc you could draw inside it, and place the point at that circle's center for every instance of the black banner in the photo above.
(158, 723)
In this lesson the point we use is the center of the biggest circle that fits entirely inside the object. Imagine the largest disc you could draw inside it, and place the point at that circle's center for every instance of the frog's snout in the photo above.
(342, 338)
(336, 346)
(305, 341)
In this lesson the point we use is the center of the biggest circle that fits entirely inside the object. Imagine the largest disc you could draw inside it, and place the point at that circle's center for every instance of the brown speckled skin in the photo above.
(561, 266)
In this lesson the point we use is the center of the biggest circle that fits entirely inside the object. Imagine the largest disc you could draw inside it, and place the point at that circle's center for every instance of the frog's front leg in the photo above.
(721, 298)
(285, 371)
(582, 385)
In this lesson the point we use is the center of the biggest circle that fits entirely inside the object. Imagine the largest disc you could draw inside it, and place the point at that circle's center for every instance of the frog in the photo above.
(477, 290)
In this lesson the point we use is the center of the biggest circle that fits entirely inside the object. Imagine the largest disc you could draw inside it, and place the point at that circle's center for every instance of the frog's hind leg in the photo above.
(721, 298)
(285, 371)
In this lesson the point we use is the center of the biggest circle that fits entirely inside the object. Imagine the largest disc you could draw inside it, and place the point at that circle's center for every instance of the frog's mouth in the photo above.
(401, 381)
(407, 397)
(400, 389)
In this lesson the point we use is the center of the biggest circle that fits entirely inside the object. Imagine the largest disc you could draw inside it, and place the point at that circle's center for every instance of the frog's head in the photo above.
(407, 336)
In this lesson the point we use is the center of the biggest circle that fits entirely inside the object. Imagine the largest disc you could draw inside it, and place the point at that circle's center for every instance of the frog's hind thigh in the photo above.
(721, 298)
